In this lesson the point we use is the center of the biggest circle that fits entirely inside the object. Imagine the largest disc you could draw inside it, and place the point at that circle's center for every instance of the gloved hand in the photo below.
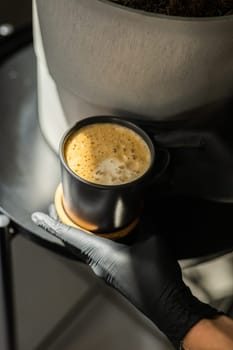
(145, 273)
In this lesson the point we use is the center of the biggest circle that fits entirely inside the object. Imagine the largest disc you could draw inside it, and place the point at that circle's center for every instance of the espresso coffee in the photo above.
(107, 154)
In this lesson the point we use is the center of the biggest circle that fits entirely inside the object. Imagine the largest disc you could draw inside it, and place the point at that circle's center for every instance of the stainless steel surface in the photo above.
(134, 63)
(61, 305)
(24, 185)
(50, 292)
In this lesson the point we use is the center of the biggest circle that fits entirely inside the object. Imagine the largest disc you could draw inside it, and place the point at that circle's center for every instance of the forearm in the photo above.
(214, 334)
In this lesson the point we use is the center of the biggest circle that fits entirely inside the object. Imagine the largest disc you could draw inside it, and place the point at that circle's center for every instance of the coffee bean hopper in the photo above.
(196, 228)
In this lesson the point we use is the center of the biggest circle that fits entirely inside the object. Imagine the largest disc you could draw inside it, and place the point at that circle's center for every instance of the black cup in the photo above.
(107, 208)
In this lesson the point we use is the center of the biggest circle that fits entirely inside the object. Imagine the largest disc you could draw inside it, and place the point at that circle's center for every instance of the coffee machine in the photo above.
(98, 58)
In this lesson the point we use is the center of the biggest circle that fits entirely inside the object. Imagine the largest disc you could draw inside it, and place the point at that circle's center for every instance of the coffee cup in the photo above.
(106, 165)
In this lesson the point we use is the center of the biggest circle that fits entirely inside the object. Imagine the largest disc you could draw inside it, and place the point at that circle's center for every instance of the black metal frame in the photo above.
(7, 325)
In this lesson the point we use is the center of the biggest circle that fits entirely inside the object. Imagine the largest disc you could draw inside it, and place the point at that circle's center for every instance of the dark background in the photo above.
(16, 12)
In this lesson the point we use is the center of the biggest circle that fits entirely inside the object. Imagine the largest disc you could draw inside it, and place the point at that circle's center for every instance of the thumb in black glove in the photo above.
(145, 273)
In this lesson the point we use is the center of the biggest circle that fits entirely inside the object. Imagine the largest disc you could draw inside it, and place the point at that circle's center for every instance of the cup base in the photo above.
(65, 219)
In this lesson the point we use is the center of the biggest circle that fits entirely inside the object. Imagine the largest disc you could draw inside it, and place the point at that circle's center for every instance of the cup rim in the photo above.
(105, 119)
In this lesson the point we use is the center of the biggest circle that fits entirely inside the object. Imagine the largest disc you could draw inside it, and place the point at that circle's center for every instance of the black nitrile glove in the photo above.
(145, 273)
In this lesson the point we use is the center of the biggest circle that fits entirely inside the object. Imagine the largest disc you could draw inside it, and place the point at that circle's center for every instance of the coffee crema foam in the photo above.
(107, 154)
